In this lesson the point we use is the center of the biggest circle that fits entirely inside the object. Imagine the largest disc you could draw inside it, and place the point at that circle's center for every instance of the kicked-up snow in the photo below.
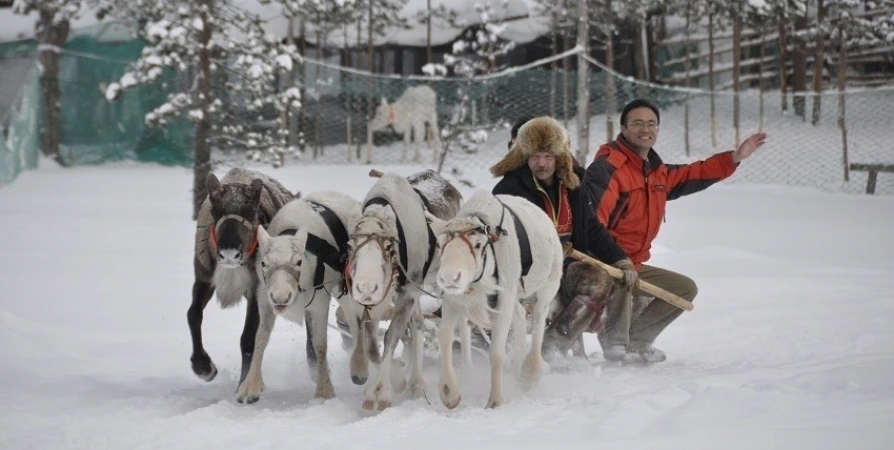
(790, 344)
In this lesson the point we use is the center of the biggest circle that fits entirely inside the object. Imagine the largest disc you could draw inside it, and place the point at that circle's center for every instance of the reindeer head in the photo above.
(234, 210)
(463, 242)
(373, 256)
(279, 264)
(382, 118)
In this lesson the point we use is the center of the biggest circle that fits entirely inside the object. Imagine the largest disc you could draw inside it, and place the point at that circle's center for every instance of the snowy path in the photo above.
(791, 343)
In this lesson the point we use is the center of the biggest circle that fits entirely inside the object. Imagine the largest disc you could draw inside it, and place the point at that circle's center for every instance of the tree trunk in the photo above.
(555, 66)
(711, 72)
(651, 66)
(52, 36)
(639, 57)
(842, 82)
(346, 80)
(737, 57)
(818, 62)
(688, 65)
(202, 146)
(302, 114)
(371, 103)
(783, 74)
(565, 83)
(799, 71)
(760, 79)
(583, 84)
(428, 32)
(610, 97)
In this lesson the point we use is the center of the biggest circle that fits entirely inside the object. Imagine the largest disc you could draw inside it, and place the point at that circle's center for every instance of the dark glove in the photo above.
(630, 275)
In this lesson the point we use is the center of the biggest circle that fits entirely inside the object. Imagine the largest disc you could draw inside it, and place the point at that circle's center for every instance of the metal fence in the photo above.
(332, 126)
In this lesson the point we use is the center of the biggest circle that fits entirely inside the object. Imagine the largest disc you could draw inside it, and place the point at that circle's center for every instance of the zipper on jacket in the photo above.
(552, 207)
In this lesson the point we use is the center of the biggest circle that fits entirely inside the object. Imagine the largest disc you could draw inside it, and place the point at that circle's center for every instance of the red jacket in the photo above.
(631, 193)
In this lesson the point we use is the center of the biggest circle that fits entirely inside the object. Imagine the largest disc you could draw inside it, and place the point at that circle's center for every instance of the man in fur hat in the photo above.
(540, 168)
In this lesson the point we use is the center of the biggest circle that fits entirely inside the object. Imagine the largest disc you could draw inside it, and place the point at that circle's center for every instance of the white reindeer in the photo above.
(299, 265)
(392, 251)
(484, 252)
(408, 115)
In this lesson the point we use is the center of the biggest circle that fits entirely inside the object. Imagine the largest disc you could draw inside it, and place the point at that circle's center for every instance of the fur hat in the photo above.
(541, 134)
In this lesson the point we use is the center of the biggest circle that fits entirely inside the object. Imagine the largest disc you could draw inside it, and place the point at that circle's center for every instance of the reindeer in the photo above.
(496, 250)
(300, 261)
(391, 251)
(408, 115)
(225, 248)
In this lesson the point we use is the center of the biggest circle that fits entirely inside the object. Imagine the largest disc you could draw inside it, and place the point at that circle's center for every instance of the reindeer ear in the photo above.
(299, 240)
(212, 185)
(263, 236)
(256, 187)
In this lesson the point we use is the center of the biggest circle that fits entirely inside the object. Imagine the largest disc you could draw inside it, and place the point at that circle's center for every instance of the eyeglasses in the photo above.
(639, 124)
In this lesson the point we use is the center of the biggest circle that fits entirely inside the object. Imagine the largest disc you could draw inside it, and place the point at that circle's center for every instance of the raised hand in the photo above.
(749, 146)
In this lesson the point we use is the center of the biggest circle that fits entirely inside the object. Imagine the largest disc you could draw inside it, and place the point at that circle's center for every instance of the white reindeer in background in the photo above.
(502, 245)
(408, 115)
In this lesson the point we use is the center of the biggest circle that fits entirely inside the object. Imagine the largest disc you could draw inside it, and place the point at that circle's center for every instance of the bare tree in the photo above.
(52, 28)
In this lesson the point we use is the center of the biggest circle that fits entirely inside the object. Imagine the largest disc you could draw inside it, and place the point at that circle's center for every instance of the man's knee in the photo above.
(688, 288)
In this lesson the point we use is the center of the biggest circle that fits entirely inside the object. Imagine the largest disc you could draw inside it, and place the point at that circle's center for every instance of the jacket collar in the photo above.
(633, 158)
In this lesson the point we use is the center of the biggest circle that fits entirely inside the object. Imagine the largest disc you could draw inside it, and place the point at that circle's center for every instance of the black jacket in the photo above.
(588, 235)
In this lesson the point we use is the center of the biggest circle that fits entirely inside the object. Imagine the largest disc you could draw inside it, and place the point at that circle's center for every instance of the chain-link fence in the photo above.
(18, 112)
(333, 125)
(801, 151)
(92, 129)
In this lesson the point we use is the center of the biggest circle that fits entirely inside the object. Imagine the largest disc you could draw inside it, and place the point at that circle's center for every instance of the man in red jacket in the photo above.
(631, 186)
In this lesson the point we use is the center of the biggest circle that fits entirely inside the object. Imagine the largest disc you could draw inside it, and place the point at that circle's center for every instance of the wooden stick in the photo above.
(648, 288)
(375, 173)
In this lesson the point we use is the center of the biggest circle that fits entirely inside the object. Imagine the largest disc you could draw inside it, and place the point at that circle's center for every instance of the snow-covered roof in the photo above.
(14, 27)
(526, 28)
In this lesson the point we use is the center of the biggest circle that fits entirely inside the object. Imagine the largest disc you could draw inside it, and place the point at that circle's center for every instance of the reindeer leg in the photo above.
(499, 336)
(416, 141)
(417, 340)
(202, 291)
(533, 364)
(448, 386)
(315, 320)
(249, 390)
(359, 361)
(465, 339)
(380, 394)
(249, 332)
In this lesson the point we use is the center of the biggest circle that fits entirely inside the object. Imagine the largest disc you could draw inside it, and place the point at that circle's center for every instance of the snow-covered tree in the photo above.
(441, 14)
(52, 28)
(233, 65)
(474, 54)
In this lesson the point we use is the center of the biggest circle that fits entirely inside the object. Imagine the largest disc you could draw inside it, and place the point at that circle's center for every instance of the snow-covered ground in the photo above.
(789, 345)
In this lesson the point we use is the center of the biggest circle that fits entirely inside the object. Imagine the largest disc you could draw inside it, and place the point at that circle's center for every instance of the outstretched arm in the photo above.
(685, 179)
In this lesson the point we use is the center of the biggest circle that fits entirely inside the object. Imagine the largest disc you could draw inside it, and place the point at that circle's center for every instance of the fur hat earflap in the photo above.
(541, 134)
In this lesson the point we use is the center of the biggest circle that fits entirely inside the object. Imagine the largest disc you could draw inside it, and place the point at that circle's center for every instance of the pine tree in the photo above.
(213, 41)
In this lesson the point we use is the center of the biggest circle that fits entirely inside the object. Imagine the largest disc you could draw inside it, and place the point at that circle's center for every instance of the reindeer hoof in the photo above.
(204, 368)
(383, 405)
(368, 405)
(248, 399)
(360, 381)
(491, 404)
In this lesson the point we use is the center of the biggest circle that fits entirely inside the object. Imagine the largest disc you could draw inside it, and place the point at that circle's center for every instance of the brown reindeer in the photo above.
(225, 247)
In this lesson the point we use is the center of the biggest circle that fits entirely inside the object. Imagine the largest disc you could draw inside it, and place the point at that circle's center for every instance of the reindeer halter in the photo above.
(493, 236)
(252, 227)
(391, 258)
